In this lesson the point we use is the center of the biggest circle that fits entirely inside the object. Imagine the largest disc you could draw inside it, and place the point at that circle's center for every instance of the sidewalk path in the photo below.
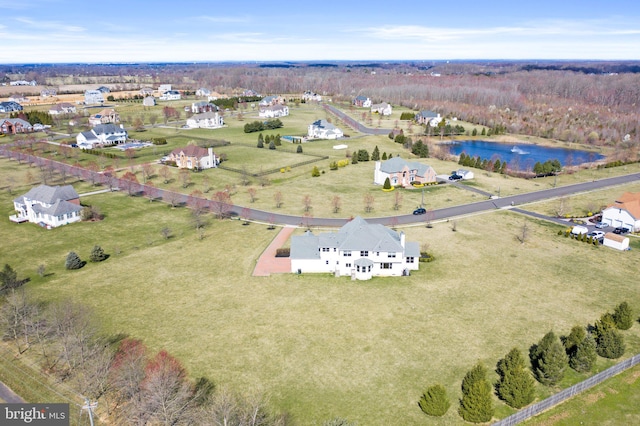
(268, 263)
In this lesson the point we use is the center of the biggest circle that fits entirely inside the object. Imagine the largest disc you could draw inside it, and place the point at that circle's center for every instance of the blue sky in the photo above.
(194, 30)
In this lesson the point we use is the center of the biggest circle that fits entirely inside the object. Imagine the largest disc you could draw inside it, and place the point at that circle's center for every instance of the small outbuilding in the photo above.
(615, 241)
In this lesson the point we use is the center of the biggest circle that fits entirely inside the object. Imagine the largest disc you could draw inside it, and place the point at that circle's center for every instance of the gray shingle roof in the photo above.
(305, 246)
(396, 164)
(50, 194)
(59, 208)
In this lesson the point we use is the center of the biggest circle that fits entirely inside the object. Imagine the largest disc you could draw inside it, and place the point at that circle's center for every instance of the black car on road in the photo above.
(420, 210)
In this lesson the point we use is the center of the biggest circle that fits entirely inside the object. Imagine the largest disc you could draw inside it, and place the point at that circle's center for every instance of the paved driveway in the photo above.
(268, 263)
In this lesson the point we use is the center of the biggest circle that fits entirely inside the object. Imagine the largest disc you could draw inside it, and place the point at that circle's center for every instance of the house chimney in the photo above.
(402, 239)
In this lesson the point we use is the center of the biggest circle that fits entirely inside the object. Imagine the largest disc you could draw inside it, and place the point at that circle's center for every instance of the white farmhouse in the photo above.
(359, 249)
(624, 212)
(206, 120)
(49, 206)
(170, 95)
(322, 129)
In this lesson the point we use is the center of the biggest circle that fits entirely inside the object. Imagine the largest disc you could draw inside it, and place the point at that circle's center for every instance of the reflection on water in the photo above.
(522, 156)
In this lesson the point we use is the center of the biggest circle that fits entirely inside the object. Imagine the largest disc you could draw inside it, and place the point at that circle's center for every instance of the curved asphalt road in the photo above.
(444, 213)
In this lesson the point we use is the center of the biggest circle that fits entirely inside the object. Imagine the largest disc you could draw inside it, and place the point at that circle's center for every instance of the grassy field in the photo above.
(323, 347)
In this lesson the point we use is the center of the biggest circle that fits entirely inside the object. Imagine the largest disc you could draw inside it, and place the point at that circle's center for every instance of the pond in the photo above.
(523, 156)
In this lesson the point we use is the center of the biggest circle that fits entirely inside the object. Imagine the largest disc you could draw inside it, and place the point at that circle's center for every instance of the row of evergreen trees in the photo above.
(34, 117)
(477, 162)
(549, 360)
(269, 140)
(259, 126)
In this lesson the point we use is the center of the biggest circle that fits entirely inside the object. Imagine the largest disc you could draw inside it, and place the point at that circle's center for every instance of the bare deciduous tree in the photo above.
(252, 194)
(368, 202)
(336, 203)
(277, 197)
(306, 202)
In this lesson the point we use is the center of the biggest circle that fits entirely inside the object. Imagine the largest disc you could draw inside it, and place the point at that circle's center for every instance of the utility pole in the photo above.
(89, 406)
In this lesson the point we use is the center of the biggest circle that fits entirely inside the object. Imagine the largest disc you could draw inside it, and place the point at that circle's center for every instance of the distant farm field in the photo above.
(324, 347)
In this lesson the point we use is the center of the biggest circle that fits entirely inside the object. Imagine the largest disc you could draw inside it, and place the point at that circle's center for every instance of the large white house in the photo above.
(92, 97)
(624, 212)
(322, 129)
(382, 108)
(102, 135)
(49, 206)
(273, 111)
(62, 108)
(402, 172)
(359, 249)
(206, 120)
(171, 95)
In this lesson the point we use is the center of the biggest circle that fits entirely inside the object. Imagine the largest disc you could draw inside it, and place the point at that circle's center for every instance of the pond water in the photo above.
(523, 156)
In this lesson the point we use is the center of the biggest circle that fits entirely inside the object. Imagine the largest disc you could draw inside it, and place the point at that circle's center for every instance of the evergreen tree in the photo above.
(497, 165)
(577, 335)
(260, 141)
(375, 155)
(609, 341)
(476, 405)
(73, 261)
(462, 158)
(299, 149)
(548, 360)
(435, 401)
(272, 145)
(8, 278)
(387, 183)
(623, 316)
(97, 254)
(390, 156)
(474, 132)
(484, 132)
(384, 156)
(584, 357)
(363, 155)
(354, 158)
(515, 385)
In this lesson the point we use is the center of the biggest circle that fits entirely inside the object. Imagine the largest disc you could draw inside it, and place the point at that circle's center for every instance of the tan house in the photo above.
(106, 116)
(402, 172)
(193, 157)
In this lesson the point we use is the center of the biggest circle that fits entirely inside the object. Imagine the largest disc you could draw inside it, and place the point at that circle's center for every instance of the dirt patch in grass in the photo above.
(554, 419)
(592, 398)
(632, 378)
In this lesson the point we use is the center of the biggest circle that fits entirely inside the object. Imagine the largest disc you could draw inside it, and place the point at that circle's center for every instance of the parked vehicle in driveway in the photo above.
(599, 235)
(419, 210)
(455, 177)
(621, 230)
(579, 230)
(601, 225)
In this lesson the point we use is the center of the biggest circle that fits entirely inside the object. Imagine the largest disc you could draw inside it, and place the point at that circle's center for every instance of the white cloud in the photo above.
(50, 25)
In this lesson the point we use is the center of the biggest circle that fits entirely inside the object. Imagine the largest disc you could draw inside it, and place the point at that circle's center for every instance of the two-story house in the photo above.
(359, 249)
(49, 206)
(402, 172)
(322, 129)
(194, 157)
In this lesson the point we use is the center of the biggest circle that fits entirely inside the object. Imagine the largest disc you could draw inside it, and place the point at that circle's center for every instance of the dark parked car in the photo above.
(621, 230)
(455, 177)
(420, 210)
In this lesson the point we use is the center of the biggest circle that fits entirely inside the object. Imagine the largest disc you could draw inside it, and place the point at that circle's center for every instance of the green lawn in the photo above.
(324, 347)
(614, 402)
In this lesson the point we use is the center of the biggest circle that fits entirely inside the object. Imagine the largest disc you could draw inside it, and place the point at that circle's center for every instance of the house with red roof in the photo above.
(624, 212)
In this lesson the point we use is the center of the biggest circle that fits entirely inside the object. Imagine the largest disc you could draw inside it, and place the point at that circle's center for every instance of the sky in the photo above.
(63, 31)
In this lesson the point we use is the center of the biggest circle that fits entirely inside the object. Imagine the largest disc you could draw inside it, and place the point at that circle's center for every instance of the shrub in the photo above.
(315, 172)
(434, 401)
(387, 184)
(97, 254)
(283, 252)
(73, 261)
(299, 149)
